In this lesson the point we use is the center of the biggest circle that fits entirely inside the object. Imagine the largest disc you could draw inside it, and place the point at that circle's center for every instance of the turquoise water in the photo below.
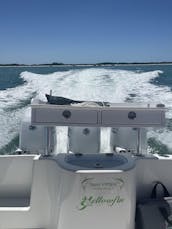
(139, 83)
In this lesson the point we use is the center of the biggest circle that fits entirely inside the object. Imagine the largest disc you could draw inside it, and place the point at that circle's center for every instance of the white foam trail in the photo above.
(10, 120)
(99, 84)
(86, 84)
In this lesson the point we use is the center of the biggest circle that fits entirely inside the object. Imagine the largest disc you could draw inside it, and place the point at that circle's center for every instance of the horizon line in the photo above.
(99, 63)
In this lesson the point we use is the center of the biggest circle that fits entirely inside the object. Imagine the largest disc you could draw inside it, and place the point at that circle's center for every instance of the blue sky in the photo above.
(90, 31)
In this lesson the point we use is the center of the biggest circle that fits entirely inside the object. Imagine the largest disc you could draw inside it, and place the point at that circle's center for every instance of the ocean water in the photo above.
(139, 83)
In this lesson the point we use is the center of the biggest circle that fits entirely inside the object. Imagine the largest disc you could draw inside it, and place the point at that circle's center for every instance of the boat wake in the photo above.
(95, 84)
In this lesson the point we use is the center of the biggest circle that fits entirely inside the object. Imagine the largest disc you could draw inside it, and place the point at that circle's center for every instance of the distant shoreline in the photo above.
(86, 65)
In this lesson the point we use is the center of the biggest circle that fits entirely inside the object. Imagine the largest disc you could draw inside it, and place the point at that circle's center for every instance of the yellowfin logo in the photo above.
(99, 201)
(104, 192)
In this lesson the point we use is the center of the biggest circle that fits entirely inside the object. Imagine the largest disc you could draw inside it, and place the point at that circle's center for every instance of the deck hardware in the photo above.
(67, 114)
(98, 165)
(132, 115)
(86, 131)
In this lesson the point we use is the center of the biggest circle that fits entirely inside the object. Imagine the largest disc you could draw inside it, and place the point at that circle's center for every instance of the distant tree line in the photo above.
(14, 64)
(125, 63)
(97, 64)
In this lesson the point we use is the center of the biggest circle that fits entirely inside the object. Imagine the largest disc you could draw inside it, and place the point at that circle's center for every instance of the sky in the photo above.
(85, 31)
